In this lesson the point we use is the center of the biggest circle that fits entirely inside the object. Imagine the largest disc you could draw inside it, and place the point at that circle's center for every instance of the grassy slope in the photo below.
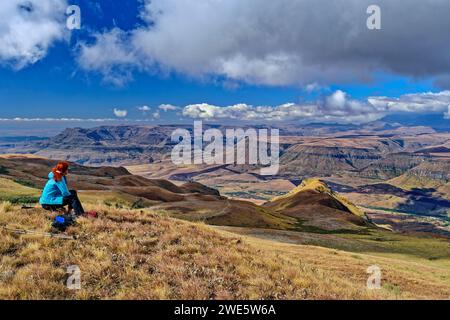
(317, 185)
(10, 191)
(428, 251)
(230, 212)
(140, 254)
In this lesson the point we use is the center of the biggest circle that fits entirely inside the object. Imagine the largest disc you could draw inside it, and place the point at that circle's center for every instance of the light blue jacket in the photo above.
(54, 192)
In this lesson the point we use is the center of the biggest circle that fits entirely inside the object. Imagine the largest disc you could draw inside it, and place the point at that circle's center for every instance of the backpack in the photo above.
(61, 223)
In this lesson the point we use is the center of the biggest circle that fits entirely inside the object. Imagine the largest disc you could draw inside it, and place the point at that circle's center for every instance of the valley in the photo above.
(345, 198)
(387, 169)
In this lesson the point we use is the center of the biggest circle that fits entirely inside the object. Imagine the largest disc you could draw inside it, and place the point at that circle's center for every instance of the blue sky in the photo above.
(56, 87)
(67, 82)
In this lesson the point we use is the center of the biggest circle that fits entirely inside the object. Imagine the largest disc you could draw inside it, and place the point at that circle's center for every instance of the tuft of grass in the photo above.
(6, 207)
(392, 288)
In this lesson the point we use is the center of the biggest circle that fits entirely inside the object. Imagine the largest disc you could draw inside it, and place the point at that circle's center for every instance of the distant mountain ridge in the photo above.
(435, 121)
(376, 151)
(109, 145)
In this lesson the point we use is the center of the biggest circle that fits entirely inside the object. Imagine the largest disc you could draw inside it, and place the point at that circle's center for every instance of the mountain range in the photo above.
(383, 167)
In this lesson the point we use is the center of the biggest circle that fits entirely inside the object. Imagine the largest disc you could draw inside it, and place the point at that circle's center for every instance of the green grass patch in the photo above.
(392, 288)
(21, 199)
(425, 247)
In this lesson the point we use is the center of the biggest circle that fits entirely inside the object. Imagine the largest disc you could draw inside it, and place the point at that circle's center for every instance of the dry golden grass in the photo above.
(6, 207)
(137, 254)
(404, 275)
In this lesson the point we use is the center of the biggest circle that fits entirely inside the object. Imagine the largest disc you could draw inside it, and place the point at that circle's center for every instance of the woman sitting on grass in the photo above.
(56, 194)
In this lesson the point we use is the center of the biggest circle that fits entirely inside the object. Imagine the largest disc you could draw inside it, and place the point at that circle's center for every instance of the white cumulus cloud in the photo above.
(168, 107)
(28, 29)
(338, 107)
(120, 113)
(110, 56)
(156, 115)
(144, 109)
(427, 102)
